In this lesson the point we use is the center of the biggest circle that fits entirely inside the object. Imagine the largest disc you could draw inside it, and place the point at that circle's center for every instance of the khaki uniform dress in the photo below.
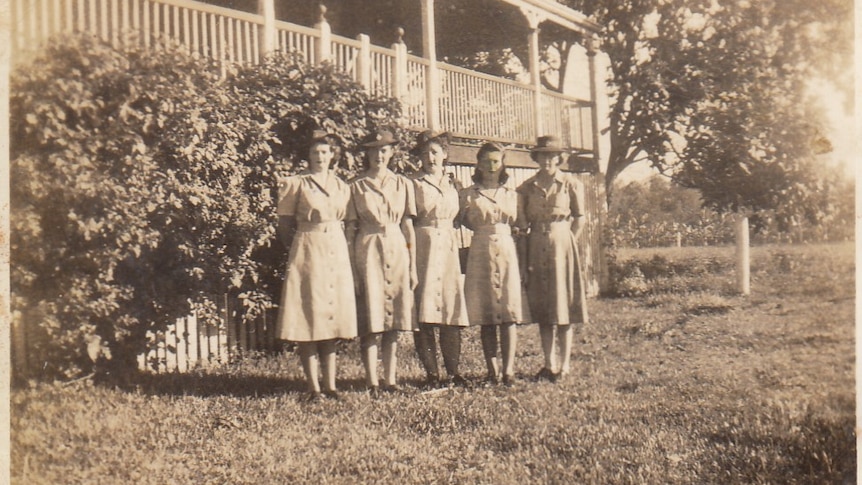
(440, 293)
(318, 300)
(381, 253)
(492, 284)
(555, 286)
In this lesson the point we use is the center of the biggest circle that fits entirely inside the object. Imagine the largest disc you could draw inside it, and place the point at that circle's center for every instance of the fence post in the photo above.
(268, 44)
(743, 260)
(324, 47)
(399, 68)
(363, 62)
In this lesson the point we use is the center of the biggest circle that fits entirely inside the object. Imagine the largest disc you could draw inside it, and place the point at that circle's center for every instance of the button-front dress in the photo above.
(381, 253)
(555, 287)
(492, 284)
(440, 293)
(318, 298)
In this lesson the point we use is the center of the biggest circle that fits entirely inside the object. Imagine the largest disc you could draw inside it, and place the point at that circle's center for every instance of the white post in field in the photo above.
(678, 239)
(429, 49)
(268, 35)
(324, 45)
(5, 247)
(743, 256)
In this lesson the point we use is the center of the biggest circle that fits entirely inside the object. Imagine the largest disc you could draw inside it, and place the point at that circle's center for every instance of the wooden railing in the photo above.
(476, 105)
(470, 104)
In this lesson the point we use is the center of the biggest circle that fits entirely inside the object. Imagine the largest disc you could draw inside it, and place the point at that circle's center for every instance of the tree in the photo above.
(144, 188)
(712, 94)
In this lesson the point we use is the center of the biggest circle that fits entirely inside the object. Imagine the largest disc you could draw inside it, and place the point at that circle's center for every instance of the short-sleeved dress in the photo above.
(492, 284)
(555, 287)
(318, 300)
(440, 293)
(381, 253)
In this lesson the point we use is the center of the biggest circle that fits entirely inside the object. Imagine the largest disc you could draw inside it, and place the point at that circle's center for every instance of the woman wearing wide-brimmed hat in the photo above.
(440, 293)
(383, 244)
(492, 284)
(317, 304)
(552, 206)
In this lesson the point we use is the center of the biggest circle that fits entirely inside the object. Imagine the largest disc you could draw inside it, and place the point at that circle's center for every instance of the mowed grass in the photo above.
(688, 383)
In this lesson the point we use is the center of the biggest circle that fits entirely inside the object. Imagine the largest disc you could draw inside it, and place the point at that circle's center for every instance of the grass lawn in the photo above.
(685, 383)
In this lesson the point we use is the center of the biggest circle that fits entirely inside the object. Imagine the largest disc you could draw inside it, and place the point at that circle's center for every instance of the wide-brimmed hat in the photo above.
(548, 144)
(378, 138)
(427, 137)
(318, 136)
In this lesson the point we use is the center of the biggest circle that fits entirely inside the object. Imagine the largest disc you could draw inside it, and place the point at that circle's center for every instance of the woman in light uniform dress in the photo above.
(317, 304)
(380, 232)
(440, 293)
(493, 282)
(552, 207)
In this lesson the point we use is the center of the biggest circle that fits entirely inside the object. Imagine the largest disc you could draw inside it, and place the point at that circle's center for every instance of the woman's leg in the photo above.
(450, 347)
(326, 351)
(489, 348)
(308, 357)
(369, 344)
(565, 334)
(548, 333)
(509, 342)
(426, 350)
(390, 359)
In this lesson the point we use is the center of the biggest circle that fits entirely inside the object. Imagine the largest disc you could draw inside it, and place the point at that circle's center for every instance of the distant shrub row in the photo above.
(656, 213)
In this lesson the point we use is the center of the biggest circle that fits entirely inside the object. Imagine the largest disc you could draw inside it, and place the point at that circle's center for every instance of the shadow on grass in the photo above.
(211, 384)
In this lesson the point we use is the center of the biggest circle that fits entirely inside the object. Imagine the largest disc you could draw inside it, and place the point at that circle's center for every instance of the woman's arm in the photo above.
(350, 234)
(520, 234)
(410, 237)
(286, 229)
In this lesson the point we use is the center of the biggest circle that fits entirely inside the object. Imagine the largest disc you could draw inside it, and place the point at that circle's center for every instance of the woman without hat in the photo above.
(383, 244)
(317, 304)
(493, 284)
(552, 204)
(440, 293)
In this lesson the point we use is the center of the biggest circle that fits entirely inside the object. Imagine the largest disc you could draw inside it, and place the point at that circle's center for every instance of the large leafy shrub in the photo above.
(143, 188)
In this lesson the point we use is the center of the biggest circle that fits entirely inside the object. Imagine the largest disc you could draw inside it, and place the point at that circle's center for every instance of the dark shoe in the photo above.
(393, 389)
(509, 381)
(431, 382)
(546, 375)
(458, 381)
(333, 395)
(490, 381)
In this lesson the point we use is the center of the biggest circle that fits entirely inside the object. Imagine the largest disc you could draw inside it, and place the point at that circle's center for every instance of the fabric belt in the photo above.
(438, 223)
(367, 228)
(547, 226)
(490, 229)
(328, 226)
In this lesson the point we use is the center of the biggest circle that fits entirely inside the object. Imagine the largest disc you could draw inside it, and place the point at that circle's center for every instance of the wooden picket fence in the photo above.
(470, 105)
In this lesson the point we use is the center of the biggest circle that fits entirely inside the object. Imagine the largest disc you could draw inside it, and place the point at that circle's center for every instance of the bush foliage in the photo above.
(143, 188)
